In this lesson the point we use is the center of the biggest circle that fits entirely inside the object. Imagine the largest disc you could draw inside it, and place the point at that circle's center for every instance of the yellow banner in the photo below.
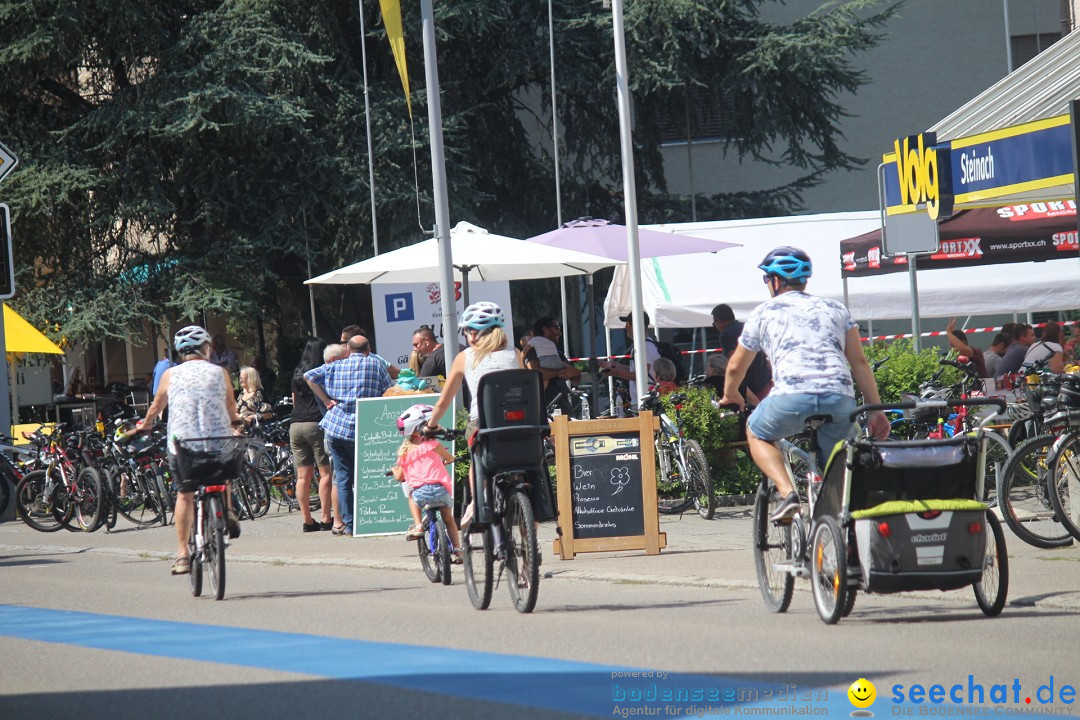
(391, 13)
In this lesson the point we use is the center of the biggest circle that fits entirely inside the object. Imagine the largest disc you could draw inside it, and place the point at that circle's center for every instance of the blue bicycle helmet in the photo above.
(789, 263)
(483, 315)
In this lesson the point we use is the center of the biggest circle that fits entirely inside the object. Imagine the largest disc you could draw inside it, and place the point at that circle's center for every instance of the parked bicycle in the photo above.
(683, 475)
(60, 494)
(1034, 491)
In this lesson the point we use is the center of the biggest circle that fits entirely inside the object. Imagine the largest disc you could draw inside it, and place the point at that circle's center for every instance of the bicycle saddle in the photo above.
(816, 421)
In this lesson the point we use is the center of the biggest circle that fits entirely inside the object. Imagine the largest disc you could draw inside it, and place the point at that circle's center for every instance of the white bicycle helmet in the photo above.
(190, 338)
(413, 419)
(483, 315)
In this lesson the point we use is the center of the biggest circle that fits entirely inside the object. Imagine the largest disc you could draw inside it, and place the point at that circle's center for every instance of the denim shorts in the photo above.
(432, 495)
(781, 416)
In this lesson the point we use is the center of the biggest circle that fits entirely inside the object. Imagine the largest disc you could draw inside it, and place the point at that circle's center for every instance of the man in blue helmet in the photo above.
(815, 350)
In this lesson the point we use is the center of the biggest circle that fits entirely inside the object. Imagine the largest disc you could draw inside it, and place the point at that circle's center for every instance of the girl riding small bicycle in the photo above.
(421, 467)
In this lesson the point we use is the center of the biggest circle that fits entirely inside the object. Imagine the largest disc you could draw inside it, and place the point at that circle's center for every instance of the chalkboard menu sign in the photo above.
(606, 484)
(381, 505)
(606, 480)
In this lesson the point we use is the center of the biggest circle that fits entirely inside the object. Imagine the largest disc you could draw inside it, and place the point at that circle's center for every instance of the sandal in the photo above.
(338, 530)
(181, 566)
(415, 532)
(456, 558)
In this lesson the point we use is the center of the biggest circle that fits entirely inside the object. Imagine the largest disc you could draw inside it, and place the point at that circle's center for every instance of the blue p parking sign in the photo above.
(399, 307)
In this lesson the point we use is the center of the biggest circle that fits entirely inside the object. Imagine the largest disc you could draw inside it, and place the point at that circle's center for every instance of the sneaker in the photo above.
(789, 507)
(312, 527)
(414, 533)
(233, 525)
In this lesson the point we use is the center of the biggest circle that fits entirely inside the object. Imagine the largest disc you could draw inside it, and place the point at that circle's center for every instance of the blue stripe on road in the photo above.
(563, 685)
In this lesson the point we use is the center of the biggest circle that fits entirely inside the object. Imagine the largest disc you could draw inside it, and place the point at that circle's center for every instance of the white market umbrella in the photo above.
(478, 255)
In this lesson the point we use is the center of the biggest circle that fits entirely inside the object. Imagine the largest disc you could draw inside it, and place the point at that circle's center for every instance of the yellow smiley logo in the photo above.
(862, 693)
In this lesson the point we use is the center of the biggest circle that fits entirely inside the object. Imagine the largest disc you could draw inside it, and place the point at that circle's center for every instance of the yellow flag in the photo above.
(391, 13)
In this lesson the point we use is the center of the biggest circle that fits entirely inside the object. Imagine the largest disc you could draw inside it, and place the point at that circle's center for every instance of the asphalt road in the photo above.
(102, 631)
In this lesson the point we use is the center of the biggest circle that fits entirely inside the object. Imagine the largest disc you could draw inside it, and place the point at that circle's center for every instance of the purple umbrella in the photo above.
(600, 237)
(606, 239)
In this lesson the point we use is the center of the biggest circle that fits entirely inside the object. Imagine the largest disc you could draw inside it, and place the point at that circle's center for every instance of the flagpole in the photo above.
(555, 155)
(633, 251)
(438, 178)
(367, 122)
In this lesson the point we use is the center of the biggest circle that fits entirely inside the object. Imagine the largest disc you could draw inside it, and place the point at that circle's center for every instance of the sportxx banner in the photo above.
(1035, 231)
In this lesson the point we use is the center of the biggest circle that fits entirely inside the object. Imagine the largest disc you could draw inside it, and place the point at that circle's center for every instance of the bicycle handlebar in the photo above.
(443, 433)
(912, 404)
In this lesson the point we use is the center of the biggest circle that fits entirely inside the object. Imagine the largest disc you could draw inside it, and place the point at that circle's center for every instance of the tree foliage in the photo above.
(194, 156)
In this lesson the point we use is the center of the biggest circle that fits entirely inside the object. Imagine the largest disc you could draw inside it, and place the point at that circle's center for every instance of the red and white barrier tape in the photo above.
(933, 333)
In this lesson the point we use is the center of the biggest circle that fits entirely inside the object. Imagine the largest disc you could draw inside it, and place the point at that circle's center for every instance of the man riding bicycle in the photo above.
(815, 350)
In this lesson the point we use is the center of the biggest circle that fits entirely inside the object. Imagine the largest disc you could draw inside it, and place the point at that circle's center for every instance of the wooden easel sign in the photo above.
(606, 471)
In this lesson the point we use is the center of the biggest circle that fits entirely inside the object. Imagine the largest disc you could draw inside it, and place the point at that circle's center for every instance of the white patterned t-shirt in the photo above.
(197, 402)
(804, 337)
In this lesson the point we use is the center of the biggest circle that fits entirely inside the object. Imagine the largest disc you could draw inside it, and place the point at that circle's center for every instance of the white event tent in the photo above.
(680, 291)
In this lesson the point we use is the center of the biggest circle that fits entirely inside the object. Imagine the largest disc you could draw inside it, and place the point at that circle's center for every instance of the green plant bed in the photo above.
(733, 472)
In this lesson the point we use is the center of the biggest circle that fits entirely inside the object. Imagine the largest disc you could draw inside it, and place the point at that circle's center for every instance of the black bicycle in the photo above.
(212, 462)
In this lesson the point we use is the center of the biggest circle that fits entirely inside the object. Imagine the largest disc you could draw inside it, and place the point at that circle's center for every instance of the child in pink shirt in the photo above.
(421, 468)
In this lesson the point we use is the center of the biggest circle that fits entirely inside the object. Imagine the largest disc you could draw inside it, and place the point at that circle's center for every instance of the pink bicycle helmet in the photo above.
(414, 418)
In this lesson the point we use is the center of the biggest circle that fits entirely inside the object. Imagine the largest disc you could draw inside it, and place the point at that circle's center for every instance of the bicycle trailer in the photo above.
(911, 506)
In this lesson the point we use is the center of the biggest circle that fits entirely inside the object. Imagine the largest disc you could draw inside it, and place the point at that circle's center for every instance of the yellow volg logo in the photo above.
(918, 168)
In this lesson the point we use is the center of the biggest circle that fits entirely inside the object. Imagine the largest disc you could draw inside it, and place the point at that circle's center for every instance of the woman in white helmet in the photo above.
(489, 350)
(202, 404)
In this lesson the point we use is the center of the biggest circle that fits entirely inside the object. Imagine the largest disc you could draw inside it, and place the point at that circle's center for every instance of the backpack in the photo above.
(669, 351)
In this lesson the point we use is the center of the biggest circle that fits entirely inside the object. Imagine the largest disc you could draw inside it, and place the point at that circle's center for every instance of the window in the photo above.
(1025, 47)
(711, 117)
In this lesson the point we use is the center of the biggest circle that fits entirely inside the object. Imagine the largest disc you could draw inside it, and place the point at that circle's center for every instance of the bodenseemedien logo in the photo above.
(862, 694)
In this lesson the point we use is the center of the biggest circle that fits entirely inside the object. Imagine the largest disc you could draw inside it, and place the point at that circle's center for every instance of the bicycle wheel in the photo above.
(443, 550)
(86, 502)
(241, 502)
(5, 494)
(991, 590)
(1024, 495)
(1066, 484)
(427, 548)
(522, 553)
(479, 562)
(281, 481)
(997, 455)
(257, 489)
(849, 602)
(215, 546)
(672, 497)
(133, 498)
(33, 504)
(828, 570)
(194, 558)
(699, 484)
(1019, 431)
(164, 493)
(772, 545)
(108, 498)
